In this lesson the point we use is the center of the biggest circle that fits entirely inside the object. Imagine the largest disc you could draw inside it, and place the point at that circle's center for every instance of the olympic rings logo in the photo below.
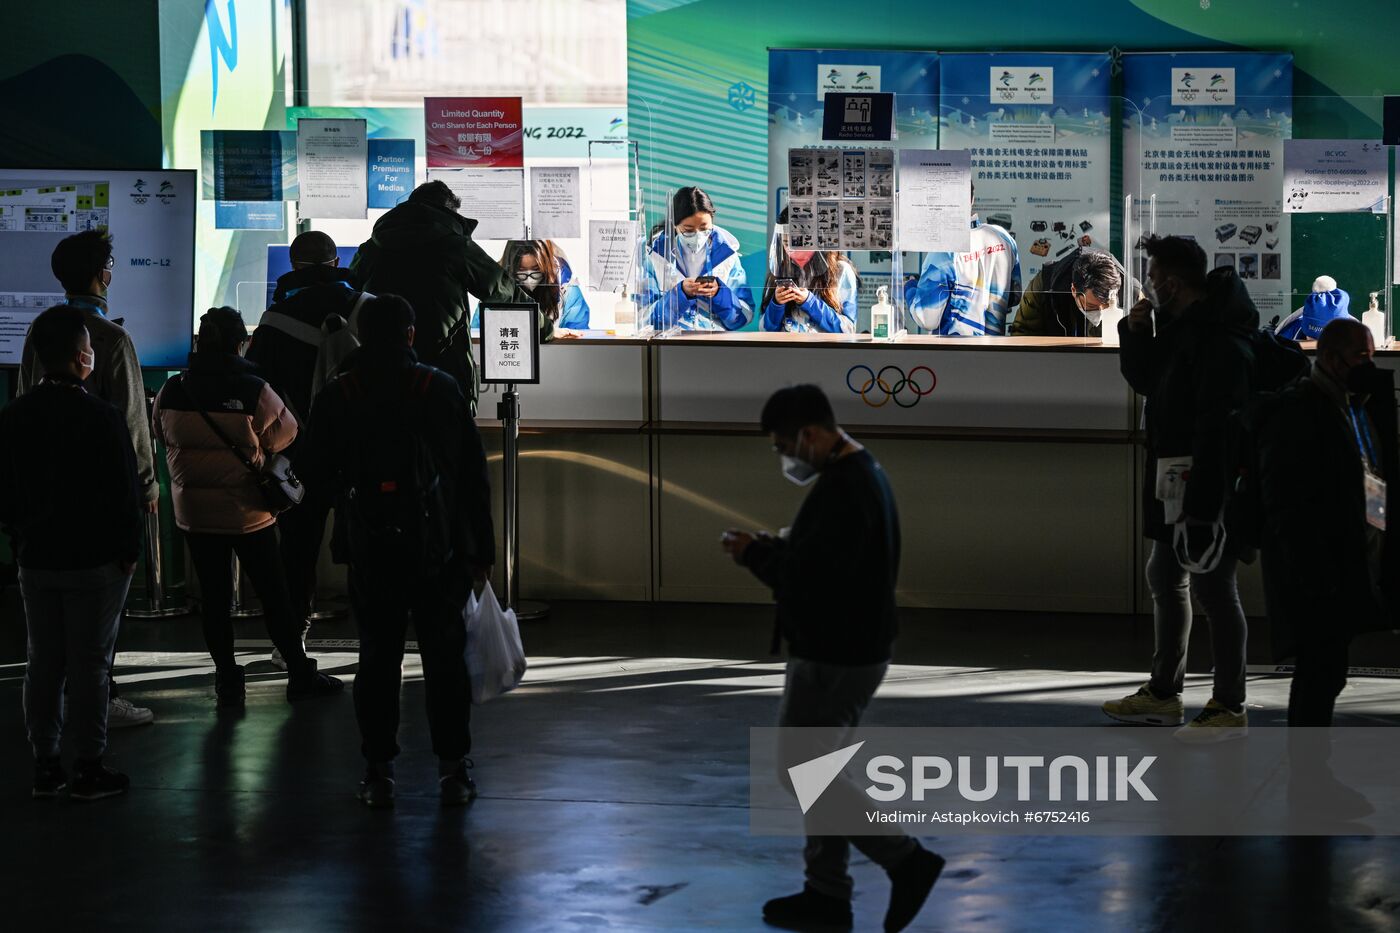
(893, 384)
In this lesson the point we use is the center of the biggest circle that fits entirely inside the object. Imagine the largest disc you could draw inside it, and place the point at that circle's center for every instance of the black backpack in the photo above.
(1278, 363)
(397, 517)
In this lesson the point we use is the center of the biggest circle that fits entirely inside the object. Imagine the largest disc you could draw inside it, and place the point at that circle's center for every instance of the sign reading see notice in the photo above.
(510, 344)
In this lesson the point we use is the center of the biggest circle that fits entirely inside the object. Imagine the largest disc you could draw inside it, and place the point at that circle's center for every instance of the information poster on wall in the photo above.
(1206, 136)
(841, 199)
(475, 132)
(494, 198)
(612, 246)
(1323, 176)
(798, 82)
(935, 200)
(391, 172)
(250, 215)
(332, 160)
(555, 212)
(1037, 128)
(248, 165)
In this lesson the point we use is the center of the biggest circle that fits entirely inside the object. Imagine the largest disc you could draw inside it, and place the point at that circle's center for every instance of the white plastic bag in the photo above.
(495, 656)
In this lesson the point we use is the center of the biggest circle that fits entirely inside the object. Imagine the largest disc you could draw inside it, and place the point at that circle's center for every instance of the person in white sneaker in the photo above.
(70, 498)
(1194, 370)
(83, 265)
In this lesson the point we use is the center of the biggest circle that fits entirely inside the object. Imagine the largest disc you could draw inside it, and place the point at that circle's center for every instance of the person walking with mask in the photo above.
(840, 633)
(1194, 370)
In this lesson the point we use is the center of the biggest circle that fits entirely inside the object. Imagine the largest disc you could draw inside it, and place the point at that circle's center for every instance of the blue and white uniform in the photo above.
(968, 294)
(669, 263)
(814, 314)
(573, 312)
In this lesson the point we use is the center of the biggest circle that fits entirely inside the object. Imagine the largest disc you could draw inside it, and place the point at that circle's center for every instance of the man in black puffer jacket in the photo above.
(1194, 374)
(285, 348)
(423, 251)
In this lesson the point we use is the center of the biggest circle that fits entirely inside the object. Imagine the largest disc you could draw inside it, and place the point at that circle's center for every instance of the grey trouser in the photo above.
(1172, 588)
(72, 617)
(833, 696)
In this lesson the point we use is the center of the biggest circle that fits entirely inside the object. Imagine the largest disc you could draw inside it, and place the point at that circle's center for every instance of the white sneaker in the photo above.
(122, 713)
(278, 661)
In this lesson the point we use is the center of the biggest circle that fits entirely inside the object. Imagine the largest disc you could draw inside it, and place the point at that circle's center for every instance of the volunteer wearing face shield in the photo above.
(1194, 371)
(1067, 298)
(539, 267)
(840, 629)
(1327, 458)
(695, 280)
(808, 290)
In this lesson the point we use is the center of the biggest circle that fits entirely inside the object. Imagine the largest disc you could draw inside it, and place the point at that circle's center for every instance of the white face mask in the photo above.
(798, 471)
(529, 280)
(1093, 317)
(89, 362)
(694, 240)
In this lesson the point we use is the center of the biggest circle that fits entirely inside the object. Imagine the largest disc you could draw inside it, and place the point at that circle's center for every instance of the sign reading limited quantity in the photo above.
(510, 344)
(475, 132)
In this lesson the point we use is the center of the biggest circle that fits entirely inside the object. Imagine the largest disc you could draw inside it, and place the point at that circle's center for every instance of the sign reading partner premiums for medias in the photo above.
(510, 344)
(475, 132)
(391, 171)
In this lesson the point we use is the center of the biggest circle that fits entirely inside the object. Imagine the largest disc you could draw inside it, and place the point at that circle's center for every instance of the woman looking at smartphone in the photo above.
(695, 280)
(809, 290)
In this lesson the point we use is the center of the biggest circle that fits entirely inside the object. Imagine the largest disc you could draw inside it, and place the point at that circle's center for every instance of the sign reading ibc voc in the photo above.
(510, 344)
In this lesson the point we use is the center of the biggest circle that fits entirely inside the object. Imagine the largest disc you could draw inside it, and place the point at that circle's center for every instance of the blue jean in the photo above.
(72, 618)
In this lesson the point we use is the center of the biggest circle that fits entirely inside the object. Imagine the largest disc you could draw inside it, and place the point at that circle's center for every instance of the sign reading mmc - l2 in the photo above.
(474, 132)
(1204, 133)
(1037, 128)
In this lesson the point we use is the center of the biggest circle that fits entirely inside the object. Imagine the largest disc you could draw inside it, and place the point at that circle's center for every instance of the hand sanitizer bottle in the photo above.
(625, 315)
(1374, 319)
(881, 315)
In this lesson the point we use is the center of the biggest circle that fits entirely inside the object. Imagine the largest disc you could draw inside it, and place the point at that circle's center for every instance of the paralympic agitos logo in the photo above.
(878, 389)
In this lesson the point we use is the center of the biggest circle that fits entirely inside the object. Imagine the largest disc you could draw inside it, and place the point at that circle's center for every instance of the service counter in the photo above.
(1015, 461)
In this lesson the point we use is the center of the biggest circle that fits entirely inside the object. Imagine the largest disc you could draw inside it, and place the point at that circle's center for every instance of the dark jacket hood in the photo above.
(1226, 304)
(230, 363)
(413, 225)
(309, 276)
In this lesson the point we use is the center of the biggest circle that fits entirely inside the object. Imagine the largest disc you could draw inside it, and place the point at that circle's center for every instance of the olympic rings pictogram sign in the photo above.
(891, 383)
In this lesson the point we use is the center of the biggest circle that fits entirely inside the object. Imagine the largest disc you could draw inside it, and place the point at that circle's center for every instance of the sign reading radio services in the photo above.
(1017, 85)
(858, 117)
(510, 344)
(476, 132)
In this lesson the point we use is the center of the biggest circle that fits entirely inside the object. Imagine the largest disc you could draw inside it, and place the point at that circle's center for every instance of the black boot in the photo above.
(809, 910)
(229, 691)
(910, 882)
(307, 683)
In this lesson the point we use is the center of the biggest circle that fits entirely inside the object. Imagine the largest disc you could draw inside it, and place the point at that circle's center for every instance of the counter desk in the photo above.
(1013, 461)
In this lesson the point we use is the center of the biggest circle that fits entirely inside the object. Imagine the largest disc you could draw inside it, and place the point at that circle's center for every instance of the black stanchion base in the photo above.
(529, 610)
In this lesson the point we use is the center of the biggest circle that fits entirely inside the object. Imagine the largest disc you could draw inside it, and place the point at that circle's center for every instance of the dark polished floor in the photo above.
(614, 791)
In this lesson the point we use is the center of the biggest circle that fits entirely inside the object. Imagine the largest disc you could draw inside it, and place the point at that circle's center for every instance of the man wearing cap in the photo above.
(310, 302)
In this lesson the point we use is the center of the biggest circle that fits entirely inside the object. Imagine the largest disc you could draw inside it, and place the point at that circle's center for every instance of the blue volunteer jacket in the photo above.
(814, 314)
(968, 294)
(667, 303)
(573, 315)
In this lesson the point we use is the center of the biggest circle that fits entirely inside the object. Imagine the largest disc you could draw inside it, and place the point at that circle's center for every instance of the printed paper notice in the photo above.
(332, 156)
(554, 203)
(612, 244)
(1334, 175)
(935, 200)
(493, 197)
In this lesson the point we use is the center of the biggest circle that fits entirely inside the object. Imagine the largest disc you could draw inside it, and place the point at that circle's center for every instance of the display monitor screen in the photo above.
(279, 263)
(150, 216)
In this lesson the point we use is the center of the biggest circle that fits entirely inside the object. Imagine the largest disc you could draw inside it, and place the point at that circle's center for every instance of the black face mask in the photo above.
(1362, 378)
